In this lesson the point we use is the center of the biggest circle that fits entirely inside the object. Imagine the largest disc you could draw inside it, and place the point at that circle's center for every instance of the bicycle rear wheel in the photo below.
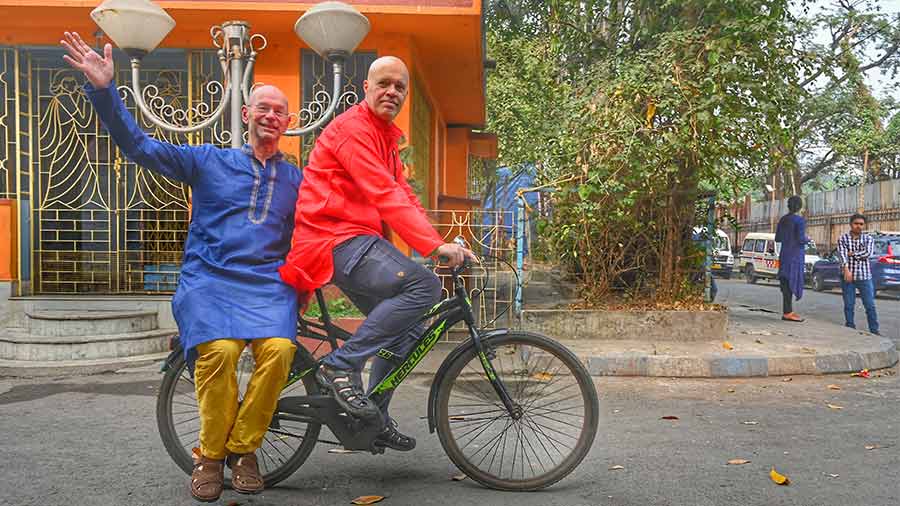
(285, 446)
(559, 413)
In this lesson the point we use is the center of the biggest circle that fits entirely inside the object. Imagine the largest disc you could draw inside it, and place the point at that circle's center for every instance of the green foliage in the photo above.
(631, 115)
(337, 308)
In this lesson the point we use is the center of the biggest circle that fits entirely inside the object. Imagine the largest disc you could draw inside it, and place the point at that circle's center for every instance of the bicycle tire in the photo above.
(181, 456)
(568, 464)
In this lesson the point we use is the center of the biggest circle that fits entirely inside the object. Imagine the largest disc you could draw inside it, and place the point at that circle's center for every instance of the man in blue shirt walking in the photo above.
(230, 294)
(855, 248)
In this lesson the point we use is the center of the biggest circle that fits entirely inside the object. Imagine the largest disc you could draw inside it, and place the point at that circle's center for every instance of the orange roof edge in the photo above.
(483, 145)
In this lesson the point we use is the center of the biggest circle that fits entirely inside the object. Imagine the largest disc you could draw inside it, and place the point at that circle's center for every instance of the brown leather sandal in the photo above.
(792, 317)
(207, 479)
(245, 477)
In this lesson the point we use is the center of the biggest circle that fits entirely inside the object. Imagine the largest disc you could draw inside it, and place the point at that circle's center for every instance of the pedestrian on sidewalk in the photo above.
(791, 233)
(855, 248)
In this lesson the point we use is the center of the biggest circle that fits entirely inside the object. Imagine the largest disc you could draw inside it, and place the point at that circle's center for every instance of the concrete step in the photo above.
(33, 368)
(89, 323)
(30, 347)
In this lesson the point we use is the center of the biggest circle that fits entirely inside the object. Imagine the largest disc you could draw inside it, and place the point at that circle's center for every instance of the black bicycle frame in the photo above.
(355, 435)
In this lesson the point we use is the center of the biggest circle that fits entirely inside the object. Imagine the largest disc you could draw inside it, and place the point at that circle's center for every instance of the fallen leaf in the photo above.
(616, 468)
(459, 477)
(342, 451)
(787, 379)
(727, 345)
(738, 462)
(759, 341)
(779, 478)
(808, 350)
(731, 390)
(669, 417)
(367, 499)
(835, 406)
(750, 422)
(542, 376)
(833, 387)
(861, 374)
(833, 475)
(871, 447)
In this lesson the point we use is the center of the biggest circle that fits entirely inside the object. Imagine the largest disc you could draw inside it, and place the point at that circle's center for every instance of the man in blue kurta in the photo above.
(791, 233)
(230, 293)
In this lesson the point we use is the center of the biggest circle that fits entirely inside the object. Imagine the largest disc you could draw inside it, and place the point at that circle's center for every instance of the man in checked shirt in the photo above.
(855, 248)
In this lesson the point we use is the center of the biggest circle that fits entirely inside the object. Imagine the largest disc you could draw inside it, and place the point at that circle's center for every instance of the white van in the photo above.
(759, 257)
(722, 258)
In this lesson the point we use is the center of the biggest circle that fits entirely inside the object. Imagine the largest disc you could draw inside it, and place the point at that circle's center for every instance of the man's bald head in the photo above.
(386, 85)
(269, 91)
(387, 62)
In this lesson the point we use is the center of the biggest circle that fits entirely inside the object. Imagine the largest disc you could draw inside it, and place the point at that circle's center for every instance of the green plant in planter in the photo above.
(337, 308)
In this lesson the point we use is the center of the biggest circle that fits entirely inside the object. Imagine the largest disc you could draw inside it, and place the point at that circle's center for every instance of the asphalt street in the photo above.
(826, 306)
(93, 441)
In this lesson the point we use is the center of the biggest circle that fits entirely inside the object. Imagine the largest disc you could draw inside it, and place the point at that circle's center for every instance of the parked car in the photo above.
(758, 258)
(722, 259)
(885, 265)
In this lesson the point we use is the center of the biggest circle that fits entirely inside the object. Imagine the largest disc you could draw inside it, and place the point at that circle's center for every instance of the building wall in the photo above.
(279, 64)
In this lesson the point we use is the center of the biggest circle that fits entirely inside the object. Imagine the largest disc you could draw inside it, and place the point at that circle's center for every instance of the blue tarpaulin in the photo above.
(504, 199)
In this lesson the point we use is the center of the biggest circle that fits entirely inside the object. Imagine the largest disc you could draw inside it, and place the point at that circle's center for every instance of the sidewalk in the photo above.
(761, 345)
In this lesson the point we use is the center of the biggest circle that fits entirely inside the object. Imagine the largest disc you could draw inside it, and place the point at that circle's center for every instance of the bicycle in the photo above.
(493, 384)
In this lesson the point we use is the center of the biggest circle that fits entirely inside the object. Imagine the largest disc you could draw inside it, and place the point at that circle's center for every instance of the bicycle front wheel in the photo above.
(554, 394)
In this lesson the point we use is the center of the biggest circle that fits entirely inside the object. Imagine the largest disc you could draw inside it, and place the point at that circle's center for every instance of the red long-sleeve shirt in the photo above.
(352, 185)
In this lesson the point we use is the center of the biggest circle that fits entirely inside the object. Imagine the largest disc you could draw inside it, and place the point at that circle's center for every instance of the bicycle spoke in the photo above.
(485, 425)
(266, 439)
(189, 432)
(548, 438)
(529, 408)
(533, 452)
(185, 421)
(561, 411)
(542, 427)
(559, 421)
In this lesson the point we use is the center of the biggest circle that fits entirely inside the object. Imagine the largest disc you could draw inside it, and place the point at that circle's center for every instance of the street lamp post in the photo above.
(331, 29)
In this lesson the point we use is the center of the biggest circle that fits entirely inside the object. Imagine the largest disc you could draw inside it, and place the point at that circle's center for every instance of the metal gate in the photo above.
(95, 222)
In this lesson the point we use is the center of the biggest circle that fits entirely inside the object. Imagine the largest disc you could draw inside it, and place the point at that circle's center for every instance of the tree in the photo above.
(629, 109)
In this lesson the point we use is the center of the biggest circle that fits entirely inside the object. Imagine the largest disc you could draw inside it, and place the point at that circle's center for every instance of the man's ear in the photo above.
(245, 114)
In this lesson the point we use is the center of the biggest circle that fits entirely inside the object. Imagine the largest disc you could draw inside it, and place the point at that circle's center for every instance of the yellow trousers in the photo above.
(225, 428)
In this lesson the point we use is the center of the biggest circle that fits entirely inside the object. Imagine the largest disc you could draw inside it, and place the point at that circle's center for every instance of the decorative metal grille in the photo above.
(492, 237)
(100, 223)
(318, 84)
(8, 117)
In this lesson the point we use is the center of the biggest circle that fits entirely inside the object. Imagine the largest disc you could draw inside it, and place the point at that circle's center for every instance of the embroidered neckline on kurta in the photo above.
(258, 171)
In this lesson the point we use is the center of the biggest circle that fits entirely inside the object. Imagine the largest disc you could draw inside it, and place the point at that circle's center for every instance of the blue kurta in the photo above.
(241, 225)
(791, 233)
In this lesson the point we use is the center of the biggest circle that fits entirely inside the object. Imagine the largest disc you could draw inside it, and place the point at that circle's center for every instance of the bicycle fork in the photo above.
(514, 410)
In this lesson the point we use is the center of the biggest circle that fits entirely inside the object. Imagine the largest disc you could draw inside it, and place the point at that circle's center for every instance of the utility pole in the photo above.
(861, 193)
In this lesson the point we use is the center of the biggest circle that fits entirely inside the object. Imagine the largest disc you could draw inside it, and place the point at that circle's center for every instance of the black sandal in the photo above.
(347, 392)
(392, 438)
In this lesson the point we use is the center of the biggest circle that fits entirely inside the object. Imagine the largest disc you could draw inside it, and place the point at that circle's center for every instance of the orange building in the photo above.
(77, 218)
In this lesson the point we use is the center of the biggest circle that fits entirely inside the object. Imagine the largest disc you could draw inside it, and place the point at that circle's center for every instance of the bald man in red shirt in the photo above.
(353, 186)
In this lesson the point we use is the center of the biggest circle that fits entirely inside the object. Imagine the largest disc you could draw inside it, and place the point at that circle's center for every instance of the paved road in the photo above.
(826, 306)
(92, 441)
